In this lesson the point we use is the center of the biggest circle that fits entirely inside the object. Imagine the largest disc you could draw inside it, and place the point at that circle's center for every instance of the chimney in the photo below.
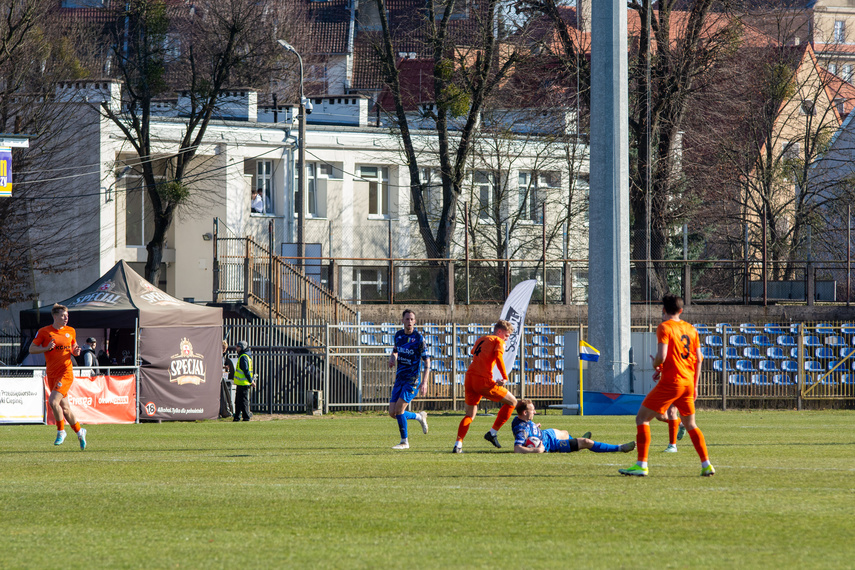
(583, 15)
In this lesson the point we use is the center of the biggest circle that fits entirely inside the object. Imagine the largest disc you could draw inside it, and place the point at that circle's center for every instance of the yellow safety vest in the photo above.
(240, 378)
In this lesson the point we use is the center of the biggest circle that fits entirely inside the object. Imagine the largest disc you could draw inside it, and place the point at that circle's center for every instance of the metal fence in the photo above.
(743, 364)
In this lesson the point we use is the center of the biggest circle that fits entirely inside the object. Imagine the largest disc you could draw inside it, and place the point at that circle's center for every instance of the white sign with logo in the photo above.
(514, 312)
(22, 400)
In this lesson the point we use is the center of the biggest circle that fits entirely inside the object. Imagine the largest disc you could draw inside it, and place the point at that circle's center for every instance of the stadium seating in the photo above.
(708, 353)
(719, 364)
(790, 366)
(559, 340)
(461, 366)
(438, 365)
(814, 366)
(722, 328)
(833, 364)
(824, 353)
(368, 339)
(848, 328)
(559, 352)
(835, 340)
(748, 329)
(543, 364)
(783, 379)
(389, 328)
(745, 366)
(751, 352)
(825, 329)
(731, 352)
(541, 340)
(761, 340)
(713, 340)
(775, 352)
(768, 366)
(559, 365)
(847, 379)
(786, 340)
(761, 380)
(738, 380)
(704, 329)
(738, 340)
(794, 328)
(847, 352)
(794, 352)
(772, 329)
(812, 341)
(540, 352)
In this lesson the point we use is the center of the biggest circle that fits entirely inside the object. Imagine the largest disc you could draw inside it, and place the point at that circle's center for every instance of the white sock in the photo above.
(642, 464)
(405, 440)
(458, 444)
(493, 432)
(705, 463)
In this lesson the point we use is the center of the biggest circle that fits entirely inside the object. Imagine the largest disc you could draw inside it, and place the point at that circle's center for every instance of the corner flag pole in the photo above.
(581, 398)
(589, 354)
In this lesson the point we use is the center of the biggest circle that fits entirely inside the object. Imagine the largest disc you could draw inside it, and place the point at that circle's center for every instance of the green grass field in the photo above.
(329, 492)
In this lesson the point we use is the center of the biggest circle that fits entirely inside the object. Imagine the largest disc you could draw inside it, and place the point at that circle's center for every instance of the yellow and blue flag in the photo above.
(588, 352)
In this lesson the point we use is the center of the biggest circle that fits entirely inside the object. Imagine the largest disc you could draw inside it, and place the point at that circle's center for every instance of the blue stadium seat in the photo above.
(462, 366)
(367, 324)
(738, 380)
(704, 329)
(559, 351)
(433, 352)
(768, 366)
(790, 366)
(472, 339)
(438, 365)
(745, 366)
(847, 352)
(731, 352)
(542, 364)
(794, 328)
(713, 340)
(389, 328)
(541, 340)
(761, 380)
(559, 365)
(737, 340)
(368, 339)
(761, 340)
(748, 328)
(751, 352)
(824, 353)
(540, 352)
(786, 340)
(814, 366)
(772, 329)
(559, 340)
(721, 328)
(825, 329)
(775, 352)
(783, 379)
(812, 341)
(432, 340)
(835, 341)
(847, 328)
(718, 364)
(542, 329)
(794, 352)
(832, 364)
(388, 339)
(847, 379)
(708, 353)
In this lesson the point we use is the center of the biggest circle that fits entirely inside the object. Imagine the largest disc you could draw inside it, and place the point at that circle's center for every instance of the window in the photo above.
(533, 191)
(839, 31)
(846, 73)
(832, 67)
(483, 182)
(139, 219)
(262, 196)
(378, 189)
(370, 284)
(807, 107)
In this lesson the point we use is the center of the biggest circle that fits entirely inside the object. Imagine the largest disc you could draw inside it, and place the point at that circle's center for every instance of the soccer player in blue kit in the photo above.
(554, 439)
(409, 352)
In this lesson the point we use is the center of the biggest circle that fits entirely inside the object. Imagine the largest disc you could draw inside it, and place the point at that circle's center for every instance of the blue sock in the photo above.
(604, 447)
(402, 424)
(409, 415)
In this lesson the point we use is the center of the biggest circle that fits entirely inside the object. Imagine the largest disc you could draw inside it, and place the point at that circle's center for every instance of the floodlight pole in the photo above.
(300, 194)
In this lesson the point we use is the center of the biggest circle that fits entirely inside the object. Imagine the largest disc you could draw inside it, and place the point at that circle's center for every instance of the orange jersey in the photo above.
(58, 359)
(489, 350)
(681, 358)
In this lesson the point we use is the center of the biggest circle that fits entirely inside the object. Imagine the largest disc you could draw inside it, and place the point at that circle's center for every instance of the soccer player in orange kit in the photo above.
(58, 342)
(678, 359)
(489, 350)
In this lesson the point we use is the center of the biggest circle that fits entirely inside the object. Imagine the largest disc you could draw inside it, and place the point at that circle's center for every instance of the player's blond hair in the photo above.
(57, 309)
(503, 325)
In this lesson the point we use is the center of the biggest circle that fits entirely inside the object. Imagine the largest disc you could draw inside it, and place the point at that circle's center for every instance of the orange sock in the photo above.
(503, 416)
(673, 428)
(642, 440)
(700, 443)
(463, 428)
(76, 427)
(60, 425)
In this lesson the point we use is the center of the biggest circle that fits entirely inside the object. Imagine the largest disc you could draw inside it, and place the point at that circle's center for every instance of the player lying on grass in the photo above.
(526, 433)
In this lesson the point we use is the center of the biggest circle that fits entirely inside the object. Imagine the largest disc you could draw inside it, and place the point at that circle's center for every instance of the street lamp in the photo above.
(301, 161)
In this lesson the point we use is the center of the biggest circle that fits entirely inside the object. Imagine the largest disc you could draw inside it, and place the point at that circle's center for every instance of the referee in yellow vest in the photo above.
(243, 380)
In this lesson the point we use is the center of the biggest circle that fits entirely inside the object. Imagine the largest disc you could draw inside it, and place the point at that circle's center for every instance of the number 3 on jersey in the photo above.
(687, 343)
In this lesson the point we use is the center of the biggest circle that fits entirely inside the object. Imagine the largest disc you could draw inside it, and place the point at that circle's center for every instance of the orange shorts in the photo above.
(477, 388)
(660, 398)
(62, 385)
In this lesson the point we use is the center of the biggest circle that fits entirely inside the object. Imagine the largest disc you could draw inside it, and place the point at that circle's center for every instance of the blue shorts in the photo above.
(405, 389)
(550, 442)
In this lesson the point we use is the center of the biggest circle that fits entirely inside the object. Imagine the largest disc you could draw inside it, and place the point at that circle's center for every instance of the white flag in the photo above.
(514, 312)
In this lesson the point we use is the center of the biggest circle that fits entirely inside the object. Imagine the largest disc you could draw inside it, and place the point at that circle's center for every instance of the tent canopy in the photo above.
(118, 298)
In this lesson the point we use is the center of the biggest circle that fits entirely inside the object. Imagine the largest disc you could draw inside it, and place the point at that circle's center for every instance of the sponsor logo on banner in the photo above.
(150, 408)
(102, 297)
(155, 296)
(514, 311)
(187, 367)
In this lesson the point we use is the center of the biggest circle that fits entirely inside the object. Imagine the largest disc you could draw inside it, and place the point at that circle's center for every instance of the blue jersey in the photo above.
(411, 350)
(523, 430)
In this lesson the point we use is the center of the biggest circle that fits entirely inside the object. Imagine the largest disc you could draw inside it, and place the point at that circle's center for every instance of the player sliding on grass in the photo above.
(678, 359)
(552, 440)
(408, 352)
(489, 351)
(58, 342)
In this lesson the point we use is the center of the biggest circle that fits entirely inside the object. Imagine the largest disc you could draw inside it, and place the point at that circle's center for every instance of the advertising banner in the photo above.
(21, 400)
(516, 306)
(181, 372)
(5, 172)
(100, 399)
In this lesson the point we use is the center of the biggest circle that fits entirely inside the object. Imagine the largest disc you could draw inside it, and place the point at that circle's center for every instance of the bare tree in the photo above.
(200, 50)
